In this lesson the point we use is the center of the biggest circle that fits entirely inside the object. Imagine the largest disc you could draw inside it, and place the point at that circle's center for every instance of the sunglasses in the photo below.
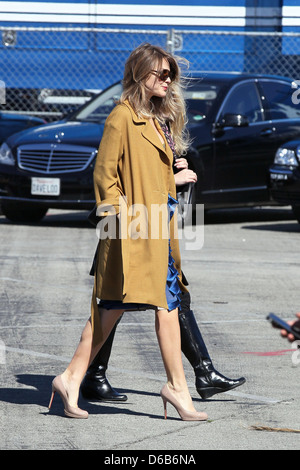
(164, 74)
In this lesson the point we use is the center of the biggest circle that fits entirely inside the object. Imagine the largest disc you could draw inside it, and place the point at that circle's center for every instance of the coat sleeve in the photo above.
(106, 169)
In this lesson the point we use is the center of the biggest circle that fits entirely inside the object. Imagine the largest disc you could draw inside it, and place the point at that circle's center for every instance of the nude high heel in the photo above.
(70, 411)
(185, 415)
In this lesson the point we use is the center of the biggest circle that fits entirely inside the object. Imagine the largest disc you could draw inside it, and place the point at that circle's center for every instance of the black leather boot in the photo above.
(95, 385)
(208, 380)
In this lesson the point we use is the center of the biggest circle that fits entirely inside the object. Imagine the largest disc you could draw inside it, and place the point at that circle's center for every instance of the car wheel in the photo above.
(296, 211)
(23, 212)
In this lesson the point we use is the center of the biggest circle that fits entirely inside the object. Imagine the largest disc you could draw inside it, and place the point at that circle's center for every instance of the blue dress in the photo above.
(173, 291)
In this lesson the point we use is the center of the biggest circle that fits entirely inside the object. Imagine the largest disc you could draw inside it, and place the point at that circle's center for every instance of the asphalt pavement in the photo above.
(248, 267)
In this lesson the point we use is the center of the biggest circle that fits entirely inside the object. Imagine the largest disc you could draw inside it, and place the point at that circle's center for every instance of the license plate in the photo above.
(278, 176)
(45, 186)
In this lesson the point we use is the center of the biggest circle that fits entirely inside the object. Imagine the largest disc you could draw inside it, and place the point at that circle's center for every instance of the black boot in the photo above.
(208, 380)
(95, 385)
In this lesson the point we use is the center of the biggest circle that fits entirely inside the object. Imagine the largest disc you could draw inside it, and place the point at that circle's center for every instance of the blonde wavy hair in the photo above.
(169, 109)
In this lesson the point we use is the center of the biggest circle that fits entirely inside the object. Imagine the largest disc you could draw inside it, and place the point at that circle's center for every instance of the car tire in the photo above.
(296, 211)
(23, 212)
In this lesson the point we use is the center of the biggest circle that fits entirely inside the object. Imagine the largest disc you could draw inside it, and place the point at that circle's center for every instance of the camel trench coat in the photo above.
(133, 177)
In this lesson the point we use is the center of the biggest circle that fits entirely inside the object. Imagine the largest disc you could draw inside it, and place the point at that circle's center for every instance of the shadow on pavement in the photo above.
(79, 219)
(249, 214)
(40, 391)
(68, 219)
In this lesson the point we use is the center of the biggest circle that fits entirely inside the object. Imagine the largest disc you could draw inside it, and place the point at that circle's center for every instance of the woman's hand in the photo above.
(185, 176)
(294, 323)
(181, 163)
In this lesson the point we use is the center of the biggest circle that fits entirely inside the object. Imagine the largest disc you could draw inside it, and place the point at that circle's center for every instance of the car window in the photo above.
(243, 99)
(99, 108)
(279, 100)
(199, 100)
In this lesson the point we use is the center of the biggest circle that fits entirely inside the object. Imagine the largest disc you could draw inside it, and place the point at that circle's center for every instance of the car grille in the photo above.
(55, 158)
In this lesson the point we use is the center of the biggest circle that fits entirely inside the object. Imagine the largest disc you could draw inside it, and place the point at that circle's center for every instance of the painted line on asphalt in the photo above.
(48, 286)
(281, 352)
(78, 324)
(140, 374)
(253, 397)
(28, 352)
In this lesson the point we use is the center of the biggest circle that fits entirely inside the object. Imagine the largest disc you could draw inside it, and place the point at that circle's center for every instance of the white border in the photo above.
(176, 15)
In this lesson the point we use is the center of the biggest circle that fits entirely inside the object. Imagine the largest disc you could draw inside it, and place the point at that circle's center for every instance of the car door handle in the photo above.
(267, 132)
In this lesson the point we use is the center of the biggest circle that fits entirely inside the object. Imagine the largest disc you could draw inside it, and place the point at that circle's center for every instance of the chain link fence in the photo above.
(50, 71)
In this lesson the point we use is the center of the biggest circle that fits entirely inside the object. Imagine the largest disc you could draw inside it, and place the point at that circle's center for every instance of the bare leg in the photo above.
(85, 353)
(168, 335)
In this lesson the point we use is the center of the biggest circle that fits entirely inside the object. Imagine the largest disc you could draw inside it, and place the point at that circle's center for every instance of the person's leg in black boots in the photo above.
(208, 380)
(95, 385)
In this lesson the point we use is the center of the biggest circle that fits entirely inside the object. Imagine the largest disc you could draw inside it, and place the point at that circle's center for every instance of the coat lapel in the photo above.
(149, 133)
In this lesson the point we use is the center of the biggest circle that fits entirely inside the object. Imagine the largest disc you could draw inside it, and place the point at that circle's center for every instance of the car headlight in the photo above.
(285, 156)
(6, 157)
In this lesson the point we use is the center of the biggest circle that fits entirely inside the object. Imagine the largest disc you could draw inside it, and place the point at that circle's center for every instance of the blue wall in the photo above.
(92, 60)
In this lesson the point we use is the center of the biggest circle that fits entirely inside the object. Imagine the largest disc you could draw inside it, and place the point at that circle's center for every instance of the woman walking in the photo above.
(139, 268)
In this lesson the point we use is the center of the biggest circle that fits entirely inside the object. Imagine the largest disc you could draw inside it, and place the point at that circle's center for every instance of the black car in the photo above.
(236, 121)
(11, 123)
(285, 176)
